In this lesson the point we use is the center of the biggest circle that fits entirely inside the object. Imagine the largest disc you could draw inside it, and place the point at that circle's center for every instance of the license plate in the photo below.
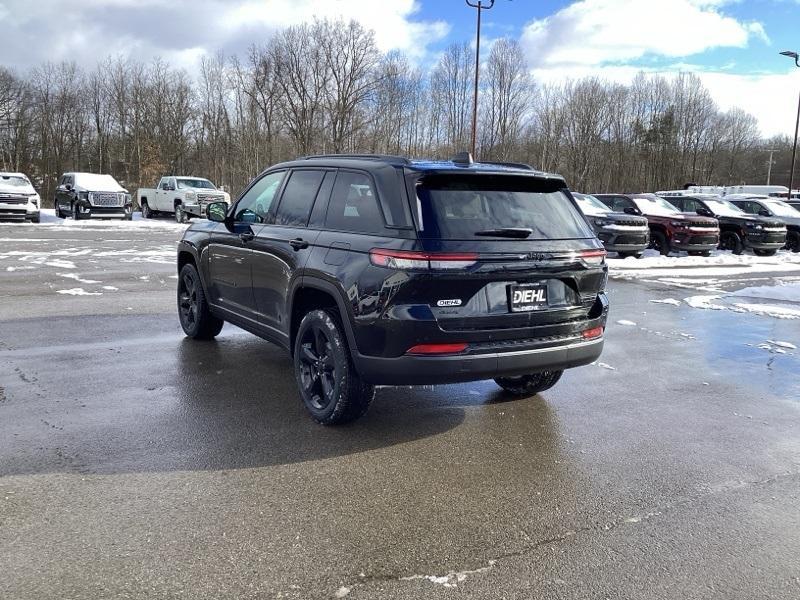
(527, 297)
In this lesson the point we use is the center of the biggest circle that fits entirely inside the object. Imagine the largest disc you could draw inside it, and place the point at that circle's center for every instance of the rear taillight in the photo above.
(593, 257)
(413, 260)
(431, 349)
(594, 332)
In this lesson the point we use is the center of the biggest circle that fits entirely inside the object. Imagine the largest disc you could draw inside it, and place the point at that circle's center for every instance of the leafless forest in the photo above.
(325, 87)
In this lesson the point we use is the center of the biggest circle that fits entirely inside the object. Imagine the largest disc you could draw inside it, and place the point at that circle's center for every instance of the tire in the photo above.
(180, 214)
(36, 219)
(793, 241)
(76, 214)
(146, 212)
(59, 214)
(331, 389)
(193, 312)
(730, 240)
(529, 385)
(758, 252)
(658, 241)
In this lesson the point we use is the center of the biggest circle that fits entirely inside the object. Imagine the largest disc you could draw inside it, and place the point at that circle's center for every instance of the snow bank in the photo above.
(719, 264)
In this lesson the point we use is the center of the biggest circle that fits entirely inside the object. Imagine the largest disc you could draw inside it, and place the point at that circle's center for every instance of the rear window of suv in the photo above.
(458, 207)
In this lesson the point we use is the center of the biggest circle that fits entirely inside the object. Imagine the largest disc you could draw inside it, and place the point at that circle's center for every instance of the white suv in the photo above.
(18, 200)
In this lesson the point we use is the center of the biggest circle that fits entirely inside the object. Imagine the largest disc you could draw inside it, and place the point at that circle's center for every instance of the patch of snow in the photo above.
(77, 278)
(626, 322)
(780, 344)
(110, 288)
(778, 312)
(452, 579)
(705, 302)
(603, 365)
(79, 292)
(342, 592)
(671, 301)
(12, 269)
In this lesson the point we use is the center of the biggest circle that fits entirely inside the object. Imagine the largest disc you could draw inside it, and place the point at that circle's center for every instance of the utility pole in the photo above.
(480, 6)
(769, 165)
(796, 57)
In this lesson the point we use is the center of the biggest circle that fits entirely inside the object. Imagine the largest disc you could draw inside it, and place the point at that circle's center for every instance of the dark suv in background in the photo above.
(669, 228)
(384, 270)
(767, 206)
(625, 234)
(738, 230)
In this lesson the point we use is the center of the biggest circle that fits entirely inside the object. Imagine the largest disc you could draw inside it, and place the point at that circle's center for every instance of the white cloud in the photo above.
(602, 31)
(183, 30)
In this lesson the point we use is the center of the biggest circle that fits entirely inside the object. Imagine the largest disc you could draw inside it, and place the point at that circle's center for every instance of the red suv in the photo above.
(670, 229)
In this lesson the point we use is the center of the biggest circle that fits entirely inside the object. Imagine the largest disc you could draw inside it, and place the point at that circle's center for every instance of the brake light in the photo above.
(594, 332)
(430, 349)
(593, 257)
(414, 260)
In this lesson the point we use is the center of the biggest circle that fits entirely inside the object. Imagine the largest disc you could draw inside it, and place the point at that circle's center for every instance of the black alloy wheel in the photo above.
(793, 241)
(330, 387)
(730, 240)
(193, 312)
(318, 374)
(658, 241)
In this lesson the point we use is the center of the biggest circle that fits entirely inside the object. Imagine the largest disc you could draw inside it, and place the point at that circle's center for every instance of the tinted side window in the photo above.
(298, 198)
(254, 206)
(354, 205)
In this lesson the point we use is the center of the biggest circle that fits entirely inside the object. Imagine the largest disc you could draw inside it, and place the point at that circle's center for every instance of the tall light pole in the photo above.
(796, 58)
(769, 165)
(481, 5)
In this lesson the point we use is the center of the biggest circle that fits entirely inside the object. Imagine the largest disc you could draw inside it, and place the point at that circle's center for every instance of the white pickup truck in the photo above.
(183, 196)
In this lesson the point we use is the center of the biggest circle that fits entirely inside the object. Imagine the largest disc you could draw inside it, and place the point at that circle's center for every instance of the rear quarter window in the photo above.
(354, 205)
(460, 206)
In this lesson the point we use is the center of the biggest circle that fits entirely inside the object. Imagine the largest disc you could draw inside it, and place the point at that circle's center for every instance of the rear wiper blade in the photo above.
(510, 232)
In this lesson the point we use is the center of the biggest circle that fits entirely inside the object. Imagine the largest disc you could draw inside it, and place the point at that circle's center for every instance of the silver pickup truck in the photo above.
(184, 197)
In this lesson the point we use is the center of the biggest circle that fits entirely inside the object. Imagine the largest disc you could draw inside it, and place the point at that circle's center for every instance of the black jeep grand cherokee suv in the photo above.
(383, 270)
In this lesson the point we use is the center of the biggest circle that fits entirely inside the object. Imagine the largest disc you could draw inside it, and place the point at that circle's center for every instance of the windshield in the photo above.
(723, 208)
(15, 183)
(591, 205)
(655, 205)
(782, 209)
(203, 184)
(97, 183)
(463, 207)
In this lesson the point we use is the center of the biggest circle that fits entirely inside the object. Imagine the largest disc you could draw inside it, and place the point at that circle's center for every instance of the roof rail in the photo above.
(380, 157)
(515, 165)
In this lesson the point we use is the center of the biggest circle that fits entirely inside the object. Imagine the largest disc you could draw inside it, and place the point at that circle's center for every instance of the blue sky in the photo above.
(732, 45)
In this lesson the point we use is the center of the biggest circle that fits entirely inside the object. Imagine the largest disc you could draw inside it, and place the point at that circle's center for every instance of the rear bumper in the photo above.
(429, 370)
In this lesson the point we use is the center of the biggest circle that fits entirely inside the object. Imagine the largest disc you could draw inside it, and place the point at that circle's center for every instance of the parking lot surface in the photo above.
(135, 463)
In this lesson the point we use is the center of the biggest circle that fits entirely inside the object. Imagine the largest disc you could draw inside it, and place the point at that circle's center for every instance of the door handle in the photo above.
(247, 236)
(299, 244)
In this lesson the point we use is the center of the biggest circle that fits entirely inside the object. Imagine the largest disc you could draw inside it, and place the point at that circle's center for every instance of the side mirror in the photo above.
(68, 187)
(631, 210)
(217, 212)
(764, 213)
(704, 212)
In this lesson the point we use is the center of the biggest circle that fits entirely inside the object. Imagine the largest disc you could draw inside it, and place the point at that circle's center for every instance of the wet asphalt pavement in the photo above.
(137, 464)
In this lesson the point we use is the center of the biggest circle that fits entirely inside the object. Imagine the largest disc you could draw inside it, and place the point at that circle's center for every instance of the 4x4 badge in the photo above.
(453, 302)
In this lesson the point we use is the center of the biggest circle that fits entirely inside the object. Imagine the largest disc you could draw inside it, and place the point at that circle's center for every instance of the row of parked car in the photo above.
(88, 195)
(696, 223)
(627, 224)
